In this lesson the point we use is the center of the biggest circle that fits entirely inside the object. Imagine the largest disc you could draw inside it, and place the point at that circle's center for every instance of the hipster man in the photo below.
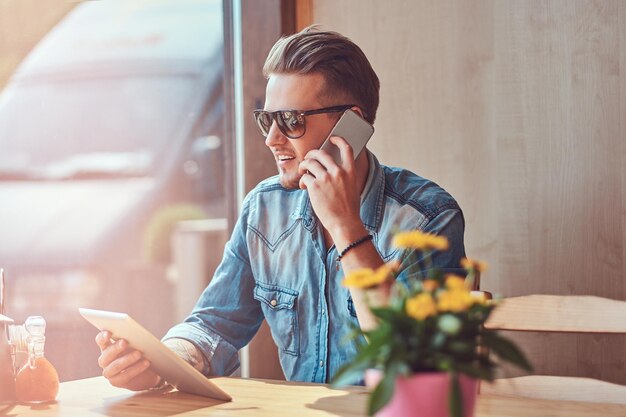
(280, 263)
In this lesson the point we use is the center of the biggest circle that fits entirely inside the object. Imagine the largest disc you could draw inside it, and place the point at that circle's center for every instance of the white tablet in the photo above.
(166, 363)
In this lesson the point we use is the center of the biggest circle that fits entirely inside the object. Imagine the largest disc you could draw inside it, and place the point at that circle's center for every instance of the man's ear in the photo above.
(358, 111)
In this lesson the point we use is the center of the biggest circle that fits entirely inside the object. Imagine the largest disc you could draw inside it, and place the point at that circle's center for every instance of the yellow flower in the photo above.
(477, 265)
(421, 306)
(454, 300)
(479, 297)
(455, 282)
(367, 277)
(419, 240)
(437, 242)
(430, 285)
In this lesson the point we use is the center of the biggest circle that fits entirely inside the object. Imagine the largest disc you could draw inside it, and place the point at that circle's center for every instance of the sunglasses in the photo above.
(292, 123)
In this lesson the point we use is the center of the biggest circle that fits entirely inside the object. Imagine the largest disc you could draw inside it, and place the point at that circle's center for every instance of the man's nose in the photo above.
(275, 136)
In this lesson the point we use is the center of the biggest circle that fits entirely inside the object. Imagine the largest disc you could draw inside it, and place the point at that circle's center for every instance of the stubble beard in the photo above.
(289, 180)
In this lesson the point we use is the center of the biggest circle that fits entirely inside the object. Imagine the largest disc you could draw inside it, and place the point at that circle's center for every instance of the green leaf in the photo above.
(385, 313)
(506, 350)
(366, 357)
(478, 372)
(348, 374)
(354, 334)
(383, 391)
(438, 340)
(443, 362)
(437, 274)
(353, 371)
(455, 399)
(462, 347)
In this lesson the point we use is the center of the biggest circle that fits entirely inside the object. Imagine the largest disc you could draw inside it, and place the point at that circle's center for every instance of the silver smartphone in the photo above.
(354, 129)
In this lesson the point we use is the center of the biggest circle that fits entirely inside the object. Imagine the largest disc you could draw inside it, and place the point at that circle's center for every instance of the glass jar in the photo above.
(37, 380)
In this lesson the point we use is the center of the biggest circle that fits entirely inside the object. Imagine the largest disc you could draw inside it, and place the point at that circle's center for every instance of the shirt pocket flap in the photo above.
(275, 297)
(351, 308)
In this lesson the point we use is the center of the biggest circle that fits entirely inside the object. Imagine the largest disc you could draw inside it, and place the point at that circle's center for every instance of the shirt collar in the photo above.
(373, 195)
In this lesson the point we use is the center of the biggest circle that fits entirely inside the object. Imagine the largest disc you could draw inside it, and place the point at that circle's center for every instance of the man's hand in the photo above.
(124, 367)
(335, 197)
(333, 190)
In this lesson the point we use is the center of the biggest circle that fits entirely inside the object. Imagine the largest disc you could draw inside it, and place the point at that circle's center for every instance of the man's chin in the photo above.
(290, 182)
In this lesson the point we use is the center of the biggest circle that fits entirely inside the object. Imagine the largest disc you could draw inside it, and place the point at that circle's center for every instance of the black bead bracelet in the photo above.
(352, 246)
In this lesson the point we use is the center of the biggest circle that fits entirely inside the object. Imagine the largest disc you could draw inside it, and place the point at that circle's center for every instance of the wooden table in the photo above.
(252, 397)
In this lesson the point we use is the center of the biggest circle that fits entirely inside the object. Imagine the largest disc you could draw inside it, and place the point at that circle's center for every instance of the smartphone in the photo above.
(354, 129)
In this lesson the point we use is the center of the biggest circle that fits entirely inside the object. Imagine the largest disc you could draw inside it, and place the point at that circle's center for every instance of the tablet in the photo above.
(166, 363)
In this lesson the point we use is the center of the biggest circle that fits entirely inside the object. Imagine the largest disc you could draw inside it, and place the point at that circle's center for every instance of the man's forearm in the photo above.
(188, 352)
(362, 256)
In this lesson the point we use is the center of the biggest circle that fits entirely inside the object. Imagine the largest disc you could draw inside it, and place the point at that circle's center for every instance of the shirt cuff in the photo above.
(221, 357)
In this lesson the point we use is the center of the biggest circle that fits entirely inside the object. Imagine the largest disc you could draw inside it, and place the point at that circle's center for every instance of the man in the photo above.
(281, 261)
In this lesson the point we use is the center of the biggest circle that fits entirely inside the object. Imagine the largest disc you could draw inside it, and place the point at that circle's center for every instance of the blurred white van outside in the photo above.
(110, 129)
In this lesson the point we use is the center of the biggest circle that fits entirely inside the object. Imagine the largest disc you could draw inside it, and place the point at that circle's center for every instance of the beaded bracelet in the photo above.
(161, 386)
(352, 246)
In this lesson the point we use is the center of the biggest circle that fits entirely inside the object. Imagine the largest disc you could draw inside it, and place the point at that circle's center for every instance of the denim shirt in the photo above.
(276, 267)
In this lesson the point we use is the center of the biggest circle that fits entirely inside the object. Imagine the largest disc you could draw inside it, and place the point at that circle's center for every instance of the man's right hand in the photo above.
(124, 367)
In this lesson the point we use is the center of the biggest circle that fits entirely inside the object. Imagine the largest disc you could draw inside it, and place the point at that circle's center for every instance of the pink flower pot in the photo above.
(424, 394)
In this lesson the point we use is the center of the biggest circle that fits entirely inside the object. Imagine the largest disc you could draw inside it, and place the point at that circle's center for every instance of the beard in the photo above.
(288, 179)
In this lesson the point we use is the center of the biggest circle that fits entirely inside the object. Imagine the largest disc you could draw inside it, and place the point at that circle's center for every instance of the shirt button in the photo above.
(273, 303)
(321, 363)
(323, 312)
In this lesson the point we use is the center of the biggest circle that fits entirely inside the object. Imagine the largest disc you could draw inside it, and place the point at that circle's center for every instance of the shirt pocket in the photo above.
(351, 309)
(279, 306)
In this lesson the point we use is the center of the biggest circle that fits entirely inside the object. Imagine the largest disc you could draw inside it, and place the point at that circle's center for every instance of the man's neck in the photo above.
(362, 170)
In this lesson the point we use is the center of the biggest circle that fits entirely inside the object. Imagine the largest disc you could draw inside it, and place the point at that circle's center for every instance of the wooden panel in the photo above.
(304, 14)
(558, 313)
(517, 109)
(622, 127)
(558, 388)
(556, 106)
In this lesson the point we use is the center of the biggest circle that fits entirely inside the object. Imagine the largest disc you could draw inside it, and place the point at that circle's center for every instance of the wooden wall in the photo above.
(19, 32)
(518, 108)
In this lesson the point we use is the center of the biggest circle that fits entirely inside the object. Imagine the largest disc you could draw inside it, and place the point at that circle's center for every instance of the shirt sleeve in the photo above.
(451, 224)
(226, 316)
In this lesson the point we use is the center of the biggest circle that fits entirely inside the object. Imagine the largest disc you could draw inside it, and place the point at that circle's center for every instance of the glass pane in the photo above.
(112, 122)
(82, 124)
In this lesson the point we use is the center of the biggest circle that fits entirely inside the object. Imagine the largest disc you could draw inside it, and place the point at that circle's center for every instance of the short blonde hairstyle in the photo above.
(346, 70)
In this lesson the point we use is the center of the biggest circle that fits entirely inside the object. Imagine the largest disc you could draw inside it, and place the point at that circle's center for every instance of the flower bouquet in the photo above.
(430, 322)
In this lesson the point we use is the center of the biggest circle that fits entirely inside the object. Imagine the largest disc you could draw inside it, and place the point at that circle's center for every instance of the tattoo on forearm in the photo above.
(188, 352)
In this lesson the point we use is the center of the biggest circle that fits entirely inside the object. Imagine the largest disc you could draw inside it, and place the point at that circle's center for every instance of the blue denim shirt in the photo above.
(276, 267)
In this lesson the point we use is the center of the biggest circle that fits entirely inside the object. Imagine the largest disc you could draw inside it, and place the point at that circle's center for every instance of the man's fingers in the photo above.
(112, 352)
(347, 155)
(123, 379)
(306, 181)
(103, 340)
(121, 364)
(324, 159)
(313, 167)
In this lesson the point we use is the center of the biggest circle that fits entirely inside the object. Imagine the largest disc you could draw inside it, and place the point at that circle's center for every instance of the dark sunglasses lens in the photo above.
(264, 121)
(291, 124)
